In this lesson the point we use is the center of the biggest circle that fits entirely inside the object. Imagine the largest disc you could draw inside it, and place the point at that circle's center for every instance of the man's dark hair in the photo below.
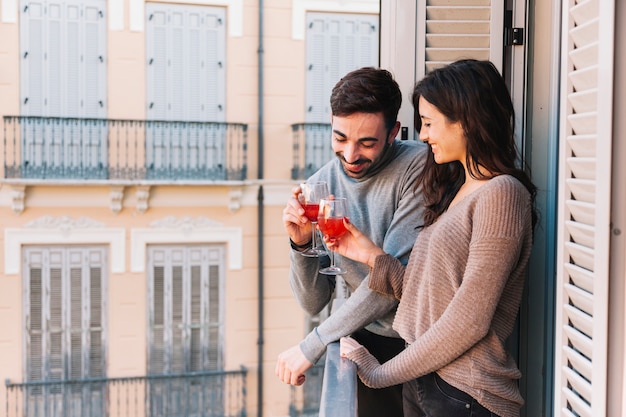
(367, 90)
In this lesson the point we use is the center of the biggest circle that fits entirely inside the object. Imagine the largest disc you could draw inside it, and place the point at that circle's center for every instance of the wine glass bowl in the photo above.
(330, 220)
(310, 195)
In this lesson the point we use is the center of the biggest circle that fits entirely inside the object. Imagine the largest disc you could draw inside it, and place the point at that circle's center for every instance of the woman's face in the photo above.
(446, 139)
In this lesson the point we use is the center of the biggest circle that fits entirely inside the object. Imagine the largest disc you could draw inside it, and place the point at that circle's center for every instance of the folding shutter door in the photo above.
(584, 208)
(453, 29)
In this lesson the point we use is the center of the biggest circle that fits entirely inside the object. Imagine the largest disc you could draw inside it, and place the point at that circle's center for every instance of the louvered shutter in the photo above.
(448, 30)
(335, 45)
(185, 286)
(65, 312)
(584, 208)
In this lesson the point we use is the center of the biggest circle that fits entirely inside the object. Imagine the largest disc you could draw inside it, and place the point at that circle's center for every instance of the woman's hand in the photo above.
(348, 345)
(354, 245)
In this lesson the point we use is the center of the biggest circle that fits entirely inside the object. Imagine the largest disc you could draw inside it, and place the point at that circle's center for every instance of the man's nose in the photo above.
(350, 153)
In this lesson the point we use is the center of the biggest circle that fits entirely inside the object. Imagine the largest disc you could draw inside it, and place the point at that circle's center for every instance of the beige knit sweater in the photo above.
(459, 297)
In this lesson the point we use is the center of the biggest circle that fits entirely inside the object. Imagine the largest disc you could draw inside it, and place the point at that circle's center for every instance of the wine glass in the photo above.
(330, 220)
(312, 193)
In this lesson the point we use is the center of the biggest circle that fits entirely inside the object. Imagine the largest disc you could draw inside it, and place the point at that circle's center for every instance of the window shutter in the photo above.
(156, 292)
(584, 209)
(63, 50)
(186, 336)
(32, 50)
(34, 309)
(186, 50)
(335, 45)
(453, 29)
(65, 312)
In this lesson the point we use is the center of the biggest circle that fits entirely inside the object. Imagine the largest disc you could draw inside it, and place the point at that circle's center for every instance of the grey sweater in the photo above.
(460, 297)
(386, 207)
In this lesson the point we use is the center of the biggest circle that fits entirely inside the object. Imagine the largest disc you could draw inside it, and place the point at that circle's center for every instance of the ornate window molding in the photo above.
(64, 230)
(185, 230)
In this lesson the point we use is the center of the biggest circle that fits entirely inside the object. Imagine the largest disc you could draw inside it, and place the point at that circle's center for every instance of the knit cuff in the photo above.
(300, 248)
(384, 275)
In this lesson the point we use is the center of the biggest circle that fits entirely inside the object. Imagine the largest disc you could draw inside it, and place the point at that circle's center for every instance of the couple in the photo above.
(466, 212)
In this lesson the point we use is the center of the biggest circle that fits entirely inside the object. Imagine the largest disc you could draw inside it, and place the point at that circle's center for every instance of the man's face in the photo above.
(359, 141)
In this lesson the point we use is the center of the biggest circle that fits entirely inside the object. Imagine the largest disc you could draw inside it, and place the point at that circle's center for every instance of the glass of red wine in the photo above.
(330, 221)
(312, 193)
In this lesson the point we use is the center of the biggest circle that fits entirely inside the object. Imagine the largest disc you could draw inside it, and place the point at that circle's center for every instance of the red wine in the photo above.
(332, 226)
(311, 211)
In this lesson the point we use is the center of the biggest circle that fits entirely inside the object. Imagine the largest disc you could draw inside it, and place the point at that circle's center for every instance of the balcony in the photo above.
(329, 389)
(312, 148)
(58, 148)
(196, 394)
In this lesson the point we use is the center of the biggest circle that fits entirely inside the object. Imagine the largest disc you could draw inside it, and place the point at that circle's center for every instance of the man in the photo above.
(377, 175)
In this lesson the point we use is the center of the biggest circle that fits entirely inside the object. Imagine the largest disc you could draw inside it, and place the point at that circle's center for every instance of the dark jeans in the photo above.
(431, 396)
(385, 402)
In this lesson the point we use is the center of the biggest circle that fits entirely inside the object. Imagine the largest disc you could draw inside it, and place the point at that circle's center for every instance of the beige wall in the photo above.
(127, 289)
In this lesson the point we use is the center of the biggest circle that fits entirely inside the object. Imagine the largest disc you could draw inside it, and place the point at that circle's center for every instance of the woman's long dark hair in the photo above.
(473, 93)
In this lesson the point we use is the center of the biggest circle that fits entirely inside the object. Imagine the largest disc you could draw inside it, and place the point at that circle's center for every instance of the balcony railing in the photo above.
(53, 148)
(312, 148)
(197, 394)
(329, 389)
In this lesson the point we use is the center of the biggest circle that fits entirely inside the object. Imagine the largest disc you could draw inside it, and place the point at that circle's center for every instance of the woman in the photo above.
(461, 290)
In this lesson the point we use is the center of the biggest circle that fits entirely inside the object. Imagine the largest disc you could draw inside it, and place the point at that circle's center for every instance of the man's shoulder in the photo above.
(409, 153)
(410, 147)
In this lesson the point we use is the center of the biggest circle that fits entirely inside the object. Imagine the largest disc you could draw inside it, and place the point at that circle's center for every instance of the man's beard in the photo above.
(385, 157)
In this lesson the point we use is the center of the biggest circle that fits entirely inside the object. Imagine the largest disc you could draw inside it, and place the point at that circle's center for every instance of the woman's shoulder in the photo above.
(506, 182)
(503, 190)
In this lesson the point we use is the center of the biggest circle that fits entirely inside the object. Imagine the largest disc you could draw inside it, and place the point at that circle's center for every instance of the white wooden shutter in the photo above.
(64, 312)
(185, 293)
(335, 45)
(584, 208)
(63, 58)
(186, 52)
(448, 30)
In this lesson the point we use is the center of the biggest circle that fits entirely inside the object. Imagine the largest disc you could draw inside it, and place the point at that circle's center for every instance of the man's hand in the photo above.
(291, 366)
(296, 224)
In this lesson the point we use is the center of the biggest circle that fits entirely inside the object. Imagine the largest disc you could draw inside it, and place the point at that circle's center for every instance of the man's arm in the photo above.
(295, 361)
(312, 291)
(362, 308)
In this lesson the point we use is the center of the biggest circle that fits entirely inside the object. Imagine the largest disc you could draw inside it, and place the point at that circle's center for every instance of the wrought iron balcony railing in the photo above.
(53, 148)
(196, 394)
(312, 148)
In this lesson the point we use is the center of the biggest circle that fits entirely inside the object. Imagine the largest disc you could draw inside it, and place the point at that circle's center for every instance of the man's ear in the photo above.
(394, 132)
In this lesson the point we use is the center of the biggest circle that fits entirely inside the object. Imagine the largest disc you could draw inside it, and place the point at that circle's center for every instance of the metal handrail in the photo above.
(340, 385)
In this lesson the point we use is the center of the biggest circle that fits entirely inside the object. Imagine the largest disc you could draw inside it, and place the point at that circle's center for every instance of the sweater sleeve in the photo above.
(370, 305)
(312, 290)
(387, 276)
(499, 226)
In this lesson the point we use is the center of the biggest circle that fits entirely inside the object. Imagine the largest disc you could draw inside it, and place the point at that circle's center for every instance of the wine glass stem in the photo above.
(313, 243)
(332, 258)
